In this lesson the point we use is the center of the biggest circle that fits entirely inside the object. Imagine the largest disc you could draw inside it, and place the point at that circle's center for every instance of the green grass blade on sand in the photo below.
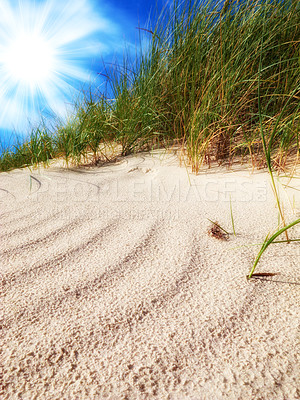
(232, 220)
(268, 241)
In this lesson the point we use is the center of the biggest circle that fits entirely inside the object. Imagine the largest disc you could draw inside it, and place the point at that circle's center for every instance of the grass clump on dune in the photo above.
(213, 76)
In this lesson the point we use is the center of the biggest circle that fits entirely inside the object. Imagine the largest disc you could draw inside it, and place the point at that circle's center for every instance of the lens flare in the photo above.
(46, 49)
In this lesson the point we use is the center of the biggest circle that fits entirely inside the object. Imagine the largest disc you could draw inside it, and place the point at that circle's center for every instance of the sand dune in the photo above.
(112, 288)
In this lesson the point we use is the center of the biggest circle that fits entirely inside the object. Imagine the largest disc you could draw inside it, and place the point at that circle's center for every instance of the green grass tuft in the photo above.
(212, 79)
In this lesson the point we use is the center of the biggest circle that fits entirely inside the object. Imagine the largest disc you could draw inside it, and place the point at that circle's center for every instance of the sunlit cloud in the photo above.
(46, 48)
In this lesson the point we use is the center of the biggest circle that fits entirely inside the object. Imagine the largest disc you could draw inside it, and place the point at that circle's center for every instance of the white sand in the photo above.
(113, 289)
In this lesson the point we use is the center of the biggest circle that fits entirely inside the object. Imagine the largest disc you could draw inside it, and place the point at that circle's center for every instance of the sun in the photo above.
(46, 48)
(29, 59)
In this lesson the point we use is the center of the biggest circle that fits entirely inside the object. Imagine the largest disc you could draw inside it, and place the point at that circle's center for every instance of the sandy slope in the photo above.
(113, 289)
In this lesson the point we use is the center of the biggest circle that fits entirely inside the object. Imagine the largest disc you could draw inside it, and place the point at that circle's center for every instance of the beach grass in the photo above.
(267, 151)
(213, 78)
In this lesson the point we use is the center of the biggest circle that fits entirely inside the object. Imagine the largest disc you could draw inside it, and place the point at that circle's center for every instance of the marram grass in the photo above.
(267, 151)
(211, 78)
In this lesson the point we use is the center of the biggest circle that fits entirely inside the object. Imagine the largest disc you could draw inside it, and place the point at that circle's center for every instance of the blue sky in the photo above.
(125, 18)
(50, 48)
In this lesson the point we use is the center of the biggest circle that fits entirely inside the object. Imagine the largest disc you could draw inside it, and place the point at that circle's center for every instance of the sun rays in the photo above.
(45, 53)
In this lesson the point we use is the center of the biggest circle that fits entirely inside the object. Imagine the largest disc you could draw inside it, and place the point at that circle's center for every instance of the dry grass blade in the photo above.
(217, 231)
